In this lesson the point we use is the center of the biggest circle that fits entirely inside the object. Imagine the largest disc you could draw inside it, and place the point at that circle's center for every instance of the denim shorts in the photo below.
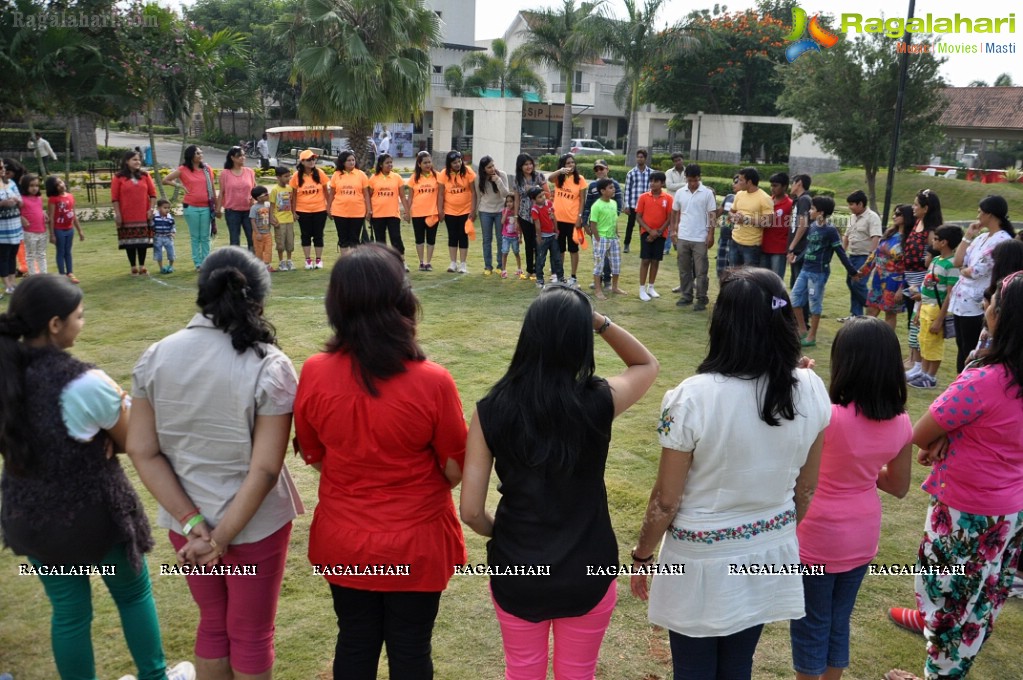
(810, 286)
(821, 638)
(510, 243)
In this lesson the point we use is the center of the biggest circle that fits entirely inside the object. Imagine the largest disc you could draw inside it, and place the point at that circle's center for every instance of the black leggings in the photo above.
(8, 259)
(565, 241)
(388, 226)
(367, 620)
(457, 238)
(349, 231)
(968, 330)
(629, 227)
(138, 252)
(310, 226)
(529, 240)
(424, 233)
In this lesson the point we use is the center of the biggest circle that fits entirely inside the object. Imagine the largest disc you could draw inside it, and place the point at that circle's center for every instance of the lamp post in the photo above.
(699, 129)
(893, 157)
(550, 148)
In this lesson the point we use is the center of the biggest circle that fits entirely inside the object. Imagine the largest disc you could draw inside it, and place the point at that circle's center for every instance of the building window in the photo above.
(440, 15)
(599, 127)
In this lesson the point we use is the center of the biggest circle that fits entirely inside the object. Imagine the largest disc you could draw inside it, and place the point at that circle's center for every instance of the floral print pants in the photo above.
(959, 610)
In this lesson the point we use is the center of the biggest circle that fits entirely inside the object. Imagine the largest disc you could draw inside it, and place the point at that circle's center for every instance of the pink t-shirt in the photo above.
(983, 471)
(237, 189)
(32, 210)
(195, 182)
(843, 525)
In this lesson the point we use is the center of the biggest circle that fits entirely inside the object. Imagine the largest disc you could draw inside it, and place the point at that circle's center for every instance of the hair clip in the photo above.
(778, 303)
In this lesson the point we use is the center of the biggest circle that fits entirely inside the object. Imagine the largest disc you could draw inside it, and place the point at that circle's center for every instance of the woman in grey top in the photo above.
(491, 188)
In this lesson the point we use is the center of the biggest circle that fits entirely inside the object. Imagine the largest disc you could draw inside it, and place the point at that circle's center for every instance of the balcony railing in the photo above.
(437, 80)
(559, 88)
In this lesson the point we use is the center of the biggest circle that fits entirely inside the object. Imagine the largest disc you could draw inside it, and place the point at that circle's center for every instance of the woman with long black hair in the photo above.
(309, 201)
(200, 200)
(387, 203)
(235, 198)
(492, 187)
(422, 208)
(133, 195)
(456, 205)
(527, 177)
(927, 213)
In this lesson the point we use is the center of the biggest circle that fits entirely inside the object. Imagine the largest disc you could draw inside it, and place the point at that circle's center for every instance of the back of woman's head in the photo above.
(998, 207)
(928, 199)
(372, 310)
(753, 335)
(233, 285)
(866, 369)
(542, 390)
(1008, 259)
(1007, 343)
(33, 304)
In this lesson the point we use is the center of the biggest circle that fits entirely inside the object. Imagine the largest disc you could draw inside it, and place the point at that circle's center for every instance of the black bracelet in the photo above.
(641, 560)
(604, 326)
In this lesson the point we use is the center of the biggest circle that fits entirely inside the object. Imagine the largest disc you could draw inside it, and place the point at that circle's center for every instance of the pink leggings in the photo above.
(236, 613)
(576, 642)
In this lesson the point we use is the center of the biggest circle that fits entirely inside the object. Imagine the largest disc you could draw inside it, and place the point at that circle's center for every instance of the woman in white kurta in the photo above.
(741, 445)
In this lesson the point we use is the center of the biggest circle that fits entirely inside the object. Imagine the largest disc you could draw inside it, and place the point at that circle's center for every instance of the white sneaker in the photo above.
(282, 266)
(676, 289)
(183, 671)
(319, 264)
(463, 268)
(651, 292)
(309, 264)
(554, 278)
(572, 281)
(643, 294)
(914, 372)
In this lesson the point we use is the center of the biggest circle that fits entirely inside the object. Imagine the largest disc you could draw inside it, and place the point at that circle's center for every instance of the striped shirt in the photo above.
(939, 281)
(10, 218)
(637, 183)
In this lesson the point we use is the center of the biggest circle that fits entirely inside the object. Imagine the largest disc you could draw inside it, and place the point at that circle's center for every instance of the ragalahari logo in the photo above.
(818, 36)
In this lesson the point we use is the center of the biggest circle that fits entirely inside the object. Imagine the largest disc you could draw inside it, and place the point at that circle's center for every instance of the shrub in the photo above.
(112, 153)
(161, 129)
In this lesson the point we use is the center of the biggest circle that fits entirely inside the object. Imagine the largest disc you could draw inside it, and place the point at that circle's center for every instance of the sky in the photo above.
(494, 18)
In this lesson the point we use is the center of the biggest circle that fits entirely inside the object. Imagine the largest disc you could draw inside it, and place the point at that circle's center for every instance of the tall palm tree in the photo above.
(361, 61)
(458, 86)
(562, 39)
(510, 73)
(632, 41)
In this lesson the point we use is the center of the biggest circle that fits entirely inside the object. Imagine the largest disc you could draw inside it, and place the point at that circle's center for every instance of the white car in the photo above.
(586, 147)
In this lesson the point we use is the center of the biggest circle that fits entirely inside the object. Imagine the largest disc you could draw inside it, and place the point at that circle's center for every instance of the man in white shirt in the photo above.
(385, 143)
(42, 147)
(676, 175)
(263, 150)
(860, 240)
(693, 215)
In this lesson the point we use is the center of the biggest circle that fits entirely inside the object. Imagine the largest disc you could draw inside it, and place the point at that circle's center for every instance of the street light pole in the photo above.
(893, 157)
(550, 148)
(699, 129)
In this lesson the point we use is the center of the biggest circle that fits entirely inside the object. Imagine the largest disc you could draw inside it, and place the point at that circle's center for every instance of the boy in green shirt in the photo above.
(935, 292)
(603, 228)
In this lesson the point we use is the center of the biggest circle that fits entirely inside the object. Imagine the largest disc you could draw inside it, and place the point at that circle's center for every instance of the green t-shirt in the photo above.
(605, 214)
(941, 278)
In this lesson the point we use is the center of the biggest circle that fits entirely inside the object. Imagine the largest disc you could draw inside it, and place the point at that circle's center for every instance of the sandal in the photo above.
(134, 271)
(899, 674)
(143, 271)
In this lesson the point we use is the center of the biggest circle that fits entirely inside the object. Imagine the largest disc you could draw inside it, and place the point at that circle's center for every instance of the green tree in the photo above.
(511, 74)
(1003, 80)
(845, 96)
(361, 61)
(457, 85)
(632, 41)
(562, 39)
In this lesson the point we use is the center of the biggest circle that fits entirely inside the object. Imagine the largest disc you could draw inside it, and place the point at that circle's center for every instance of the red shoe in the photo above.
(72, 278)
(910, 619)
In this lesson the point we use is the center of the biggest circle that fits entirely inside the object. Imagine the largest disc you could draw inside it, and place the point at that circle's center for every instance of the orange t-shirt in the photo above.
(655, 211)
(311, 197)
(568, 198)
(349, 196)
(424, 195)
(385, 196)
(457, 192)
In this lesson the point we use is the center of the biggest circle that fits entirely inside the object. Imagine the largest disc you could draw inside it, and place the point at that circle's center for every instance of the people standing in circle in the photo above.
(236, 185)
(309, 201)
(927, 213)
(456, 205)
(526, 177)
(348, 197)
(492, 187)
(974, 258)
(732, 486)
(133, 194)
(422, 208)
(214, 459)
(384, 491)
(553, 509)
(200, 200)
(65, 497)
(387, 203)
(569, 197)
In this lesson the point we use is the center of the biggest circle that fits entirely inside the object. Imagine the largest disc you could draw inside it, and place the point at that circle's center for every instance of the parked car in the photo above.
(586, 147)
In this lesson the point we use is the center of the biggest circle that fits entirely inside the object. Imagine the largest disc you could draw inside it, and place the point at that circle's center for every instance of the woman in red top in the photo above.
(386, 430)
(236, 185)
(132, 192)
(196, 178)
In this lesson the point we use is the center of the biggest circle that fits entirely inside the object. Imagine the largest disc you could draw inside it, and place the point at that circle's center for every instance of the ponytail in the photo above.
(233, 285)
(14, 436)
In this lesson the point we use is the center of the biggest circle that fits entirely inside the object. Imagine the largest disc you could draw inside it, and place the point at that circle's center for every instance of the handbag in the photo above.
(950, 322)
(212, 201)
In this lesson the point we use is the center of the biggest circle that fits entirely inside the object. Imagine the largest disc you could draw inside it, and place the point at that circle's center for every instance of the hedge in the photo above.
(16, 139)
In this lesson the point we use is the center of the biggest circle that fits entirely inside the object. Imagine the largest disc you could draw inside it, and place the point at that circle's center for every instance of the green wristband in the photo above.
(192, 523)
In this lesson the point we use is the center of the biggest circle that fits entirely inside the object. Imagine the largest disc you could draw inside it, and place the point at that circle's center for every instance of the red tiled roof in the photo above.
(983, 107)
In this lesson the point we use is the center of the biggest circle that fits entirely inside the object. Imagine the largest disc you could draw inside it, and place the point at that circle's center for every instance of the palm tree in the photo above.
(1003, 80)
(511, 74)
(562, 39)
(361, 61)
(632, 41)
(458, 86)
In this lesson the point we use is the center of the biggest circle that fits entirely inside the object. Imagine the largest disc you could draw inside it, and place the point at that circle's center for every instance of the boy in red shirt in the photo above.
(775, 244)
(546, 237)
(653, 211)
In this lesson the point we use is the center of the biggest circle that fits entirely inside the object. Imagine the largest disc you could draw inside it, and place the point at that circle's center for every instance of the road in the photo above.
(168, 151)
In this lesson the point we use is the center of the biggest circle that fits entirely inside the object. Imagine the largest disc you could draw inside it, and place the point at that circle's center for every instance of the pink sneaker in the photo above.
(504, 274)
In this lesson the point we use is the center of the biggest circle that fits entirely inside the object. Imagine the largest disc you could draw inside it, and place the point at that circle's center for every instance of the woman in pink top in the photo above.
(236, 185)
(196, 178)
(866, 447)
(971, 436)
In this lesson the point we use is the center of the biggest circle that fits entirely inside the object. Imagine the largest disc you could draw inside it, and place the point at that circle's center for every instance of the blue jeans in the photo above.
(857, 289)
(743, 256)
(162, 242)
(724, 246)
(238, 220)
(491, 224)
(821, 638)
(549, 245)
(776, 263)
(729, 657)
(810, 288)
(65, 239)
(198, 220)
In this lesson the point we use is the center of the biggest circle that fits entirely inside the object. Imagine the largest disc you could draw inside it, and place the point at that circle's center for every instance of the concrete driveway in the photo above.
(168, 151)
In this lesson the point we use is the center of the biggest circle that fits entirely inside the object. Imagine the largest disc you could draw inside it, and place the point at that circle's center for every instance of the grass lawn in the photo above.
(959, 198)
(470, 325)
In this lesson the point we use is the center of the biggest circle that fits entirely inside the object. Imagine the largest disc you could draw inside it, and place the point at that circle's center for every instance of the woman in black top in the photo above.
(547, 424)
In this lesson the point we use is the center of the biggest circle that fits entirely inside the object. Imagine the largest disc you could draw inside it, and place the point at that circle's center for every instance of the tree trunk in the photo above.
(871, 177)
(566, 117)
(67, 152)
(358, 141)
(152, 146)
(633, 134)
(32, 136)
(106, 133)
